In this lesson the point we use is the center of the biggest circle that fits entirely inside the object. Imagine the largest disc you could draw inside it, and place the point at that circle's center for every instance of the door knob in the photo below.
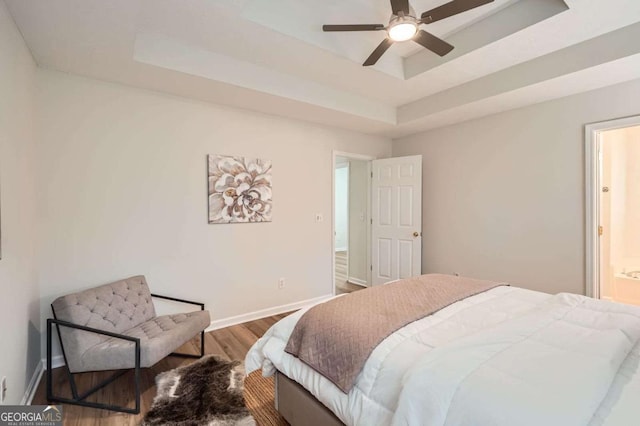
(416, 234)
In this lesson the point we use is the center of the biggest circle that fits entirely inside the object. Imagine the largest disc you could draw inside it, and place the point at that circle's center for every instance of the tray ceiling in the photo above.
(272, 56)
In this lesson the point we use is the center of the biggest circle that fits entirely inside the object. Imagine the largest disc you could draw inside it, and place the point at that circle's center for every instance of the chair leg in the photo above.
(72, 383)
(80, 399)
(192, 355)
(49, 363)
(137, 380)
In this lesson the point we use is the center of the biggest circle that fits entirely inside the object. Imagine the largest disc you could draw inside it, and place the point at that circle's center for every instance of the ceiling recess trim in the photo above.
(509, 20)
(165, 52)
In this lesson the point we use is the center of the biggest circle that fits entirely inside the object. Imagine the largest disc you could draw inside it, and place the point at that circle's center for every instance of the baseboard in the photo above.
(33, 385)
(56, 361)
(252, 316)
(357, 281)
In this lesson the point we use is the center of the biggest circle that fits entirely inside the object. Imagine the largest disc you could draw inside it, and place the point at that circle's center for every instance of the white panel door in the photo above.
(396, 215)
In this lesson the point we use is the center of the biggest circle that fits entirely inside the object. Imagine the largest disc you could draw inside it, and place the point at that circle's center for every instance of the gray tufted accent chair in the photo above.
(115, 327)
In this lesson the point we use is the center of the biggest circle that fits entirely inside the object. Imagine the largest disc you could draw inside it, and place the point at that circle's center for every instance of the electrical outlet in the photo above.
(319, 217)
(281, 283)
(457, 274)
(3, 389)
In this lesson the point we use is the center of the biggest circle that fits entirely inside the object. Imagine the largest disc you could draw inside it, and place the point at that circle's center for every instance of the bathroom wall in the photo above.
(620, 207)
(606, 274)
(631, 249)
(611, 206)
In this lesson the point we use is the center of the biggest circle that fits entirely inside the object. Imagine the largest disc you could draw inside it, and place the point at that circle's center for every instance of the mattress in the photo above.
(390, 387)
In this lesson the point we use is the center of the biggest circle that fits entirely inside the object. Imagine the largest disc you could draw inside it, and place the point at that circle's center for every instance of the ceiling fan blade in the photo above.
(356, 27)
(433, 43)
(398, 6)
(452, 8)
(382, 47)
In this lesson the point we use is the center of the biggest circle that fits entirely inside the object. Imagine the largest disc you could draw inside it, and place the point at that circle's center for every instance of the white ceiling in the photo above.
(272, 56)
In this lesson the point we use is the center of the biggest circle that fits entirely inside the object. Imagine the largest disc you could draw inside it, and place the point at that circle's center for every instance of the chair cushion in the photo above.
(114, 307)
(158, 338)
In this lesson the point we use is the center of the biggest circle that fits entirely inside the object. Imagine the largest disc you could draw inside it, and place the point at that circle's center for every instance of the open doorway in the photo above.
(613, 197)
(352, 222)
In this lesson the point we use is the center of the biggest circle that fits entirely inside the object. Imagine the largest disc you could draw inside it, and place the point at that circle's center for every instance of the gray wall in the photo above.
(19, 297)
(503, 196)
(125, 193)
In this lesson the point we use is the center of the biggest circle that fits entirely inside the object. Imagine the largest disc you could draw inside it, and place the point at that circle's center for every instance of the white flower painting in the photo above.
(239, 189)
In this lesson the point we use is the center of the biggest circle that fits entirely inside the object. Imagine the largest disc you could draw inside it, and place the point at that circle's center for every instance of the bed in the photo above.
(502, 357)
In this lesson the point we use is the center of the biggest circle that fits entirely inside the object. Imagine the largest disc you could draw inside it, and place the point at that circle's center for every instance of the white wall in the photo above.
(123, 192)
(341, 207)
(503, 196)
(19, 300)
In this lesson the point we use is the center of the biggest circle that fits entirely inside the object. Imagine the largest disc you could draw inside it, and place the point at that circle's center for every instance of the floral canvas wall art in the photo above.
(239, 189)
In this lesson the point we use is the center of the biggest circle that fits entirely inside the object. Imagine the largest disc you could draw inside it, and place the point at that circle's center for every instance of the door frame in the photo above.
(354, 156)
(592, 197)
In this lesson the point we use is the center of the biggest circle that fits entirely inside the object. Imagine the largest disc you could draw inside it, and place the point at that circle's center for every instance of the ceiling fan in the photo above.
(404, 26)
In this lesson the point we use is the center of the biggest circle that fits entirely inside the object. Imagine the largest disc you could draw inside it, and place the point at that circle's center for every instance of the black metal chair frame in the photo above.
(80, 399)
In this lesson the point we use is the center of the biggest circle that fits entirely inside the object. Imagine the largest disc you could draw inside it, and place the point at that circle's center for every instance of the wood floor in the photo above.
(231, 343)
(342, 285)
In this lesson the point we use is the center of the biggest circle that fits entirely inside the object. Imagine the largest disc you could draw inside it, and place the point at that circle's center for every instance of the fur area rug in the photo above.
(207, 392)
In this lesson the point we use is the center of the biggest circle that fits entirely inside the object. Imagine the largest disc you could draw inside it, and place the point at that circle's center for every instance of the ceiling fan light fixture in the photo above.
(402, 30)
(404, 26)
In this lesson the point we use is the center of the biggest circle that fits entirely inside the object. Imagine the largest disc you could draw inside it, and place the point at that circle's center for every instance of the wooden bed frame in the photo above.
(299, 407)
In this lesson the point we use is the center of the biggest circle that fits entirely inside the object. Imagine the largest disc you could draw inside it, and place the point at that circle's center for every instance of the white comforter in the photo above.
(504, 357)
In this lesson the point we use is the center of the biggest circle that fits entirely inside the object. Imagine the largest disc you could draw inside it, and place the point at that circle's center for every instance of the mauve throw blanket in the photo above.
(335, 338)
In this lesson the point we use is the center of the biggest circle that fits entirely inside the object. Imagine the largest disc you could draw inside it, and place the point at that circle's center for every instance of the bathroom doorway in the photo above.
(615, 199)
(352, 222)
